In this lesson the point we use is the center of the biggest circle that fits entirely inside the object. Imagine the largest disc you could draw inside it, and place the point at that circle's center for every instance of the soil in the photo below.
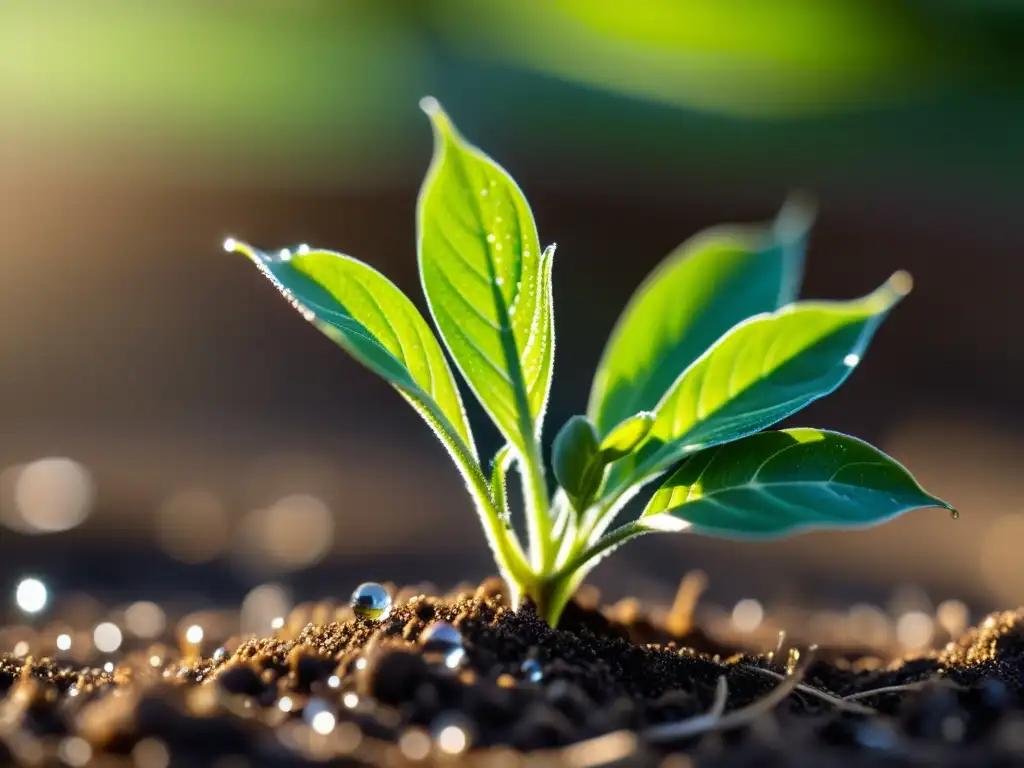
(605, 688)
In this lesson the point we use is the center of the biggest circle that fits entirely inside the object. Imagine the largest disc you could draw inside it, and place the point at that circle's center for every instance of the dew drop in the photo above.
(371, 601)
(483, 193)
(499, 281)
(532, 670)
(875, 737)
(31, 595)
(497, 246)
(442, 641)
(491, 238)
(440, 634)
(220, 654)
(955, 514)
(451, 733)
(194, 634)
(851, 360)
(319, 716)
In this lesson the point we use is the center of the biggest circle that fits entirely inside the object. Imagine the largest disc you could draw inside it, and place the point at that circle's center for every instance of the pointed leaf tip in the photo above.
(796, 217)
(900, 284)
(438, 117)
(430, 105)
(231, 245)
(892, 291)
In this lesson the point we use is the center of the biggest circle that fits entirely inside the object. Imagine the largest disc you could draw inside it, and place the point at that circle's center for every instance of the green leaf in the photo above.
(709, 284)
(486, 281)
(760, 372)
(368, 316)
(626, 436)
(777, 483)
(576, 460)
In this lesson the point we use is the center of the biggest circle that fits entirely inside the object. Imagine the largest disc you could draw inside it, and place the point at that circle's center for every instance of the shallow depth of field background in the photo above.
(171, 430)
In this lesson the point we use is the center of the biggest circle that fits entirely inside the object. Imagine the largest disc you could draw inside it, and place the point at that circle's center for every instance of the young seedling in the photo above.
(712, 349)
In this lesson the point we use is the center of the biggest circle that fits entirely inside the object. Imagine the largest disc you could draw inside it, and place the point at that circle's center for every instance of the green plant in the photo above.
(712, 349)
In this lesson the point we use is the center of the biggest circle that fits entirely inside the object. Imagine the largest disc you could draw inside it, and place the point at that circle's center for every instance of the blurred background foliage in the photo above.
(217, 442)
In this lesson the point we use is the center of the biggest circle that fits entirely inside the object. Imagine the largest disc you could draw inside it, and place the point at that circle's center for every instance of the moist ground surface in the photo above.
(332, 687)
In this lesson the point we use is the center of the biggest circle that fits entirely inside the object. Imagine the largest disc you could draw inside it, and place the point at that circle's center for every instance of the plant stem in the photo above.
(552, 594)
(538, 521)
(600, 548)
(504, 543)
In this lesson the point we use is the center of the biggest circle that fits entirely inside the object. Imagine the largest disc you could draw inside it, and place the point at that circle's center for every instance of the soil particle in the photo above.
(333, 687)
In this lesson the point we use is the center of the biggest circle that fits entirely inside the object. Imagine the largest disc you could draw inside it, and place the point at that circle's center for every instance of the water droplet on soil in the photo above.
(532, 670)
(371, 601)
(451, 734)
(443, 642)
(872, 736)
(440, 635)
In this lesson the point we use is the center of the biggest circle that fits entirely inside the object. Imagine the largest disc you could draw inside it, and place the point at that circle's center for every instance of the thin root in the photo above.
(717, 720)
(840, 703)
(915, 686)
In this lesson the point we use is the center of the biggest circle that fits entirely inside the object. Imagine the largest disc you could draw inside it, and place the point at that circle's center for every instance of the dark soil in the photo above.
(593, 692)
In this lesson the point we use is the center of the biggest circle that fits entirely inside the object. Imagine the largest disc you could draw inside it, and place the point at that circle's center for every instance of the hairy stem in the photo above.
(538, 521)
